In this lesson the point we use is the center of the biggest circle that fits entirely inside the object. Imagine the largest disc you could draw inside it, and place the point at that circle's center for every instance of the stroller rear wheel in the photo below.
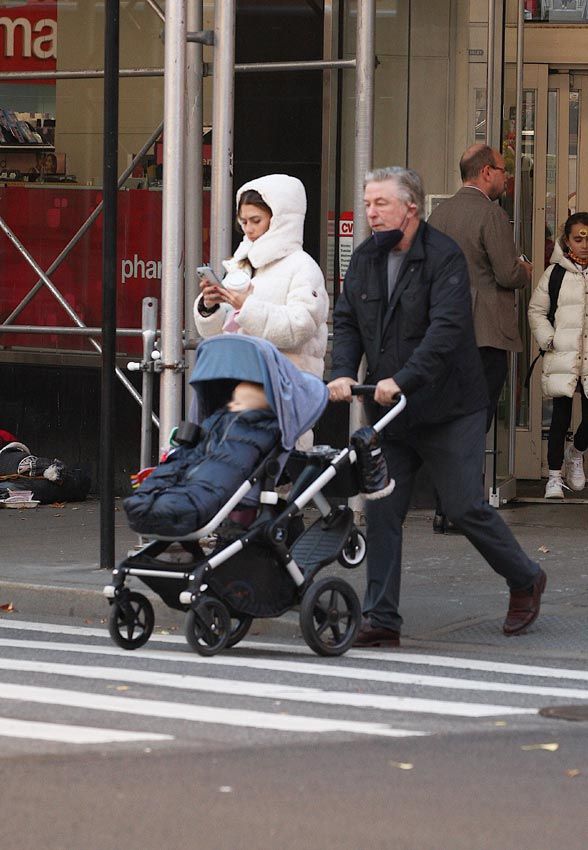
(131, 620)
(330, 615)
(240, 625)
(208, 626)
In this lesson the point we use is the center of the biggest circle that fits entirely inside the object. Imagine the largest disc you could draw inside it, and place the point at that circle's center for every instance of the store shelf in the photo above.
(4, 147)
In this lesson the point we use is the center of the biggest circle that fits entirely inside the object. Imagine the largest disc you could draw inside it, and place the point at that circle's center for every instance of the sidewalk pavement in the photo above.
(451, 599)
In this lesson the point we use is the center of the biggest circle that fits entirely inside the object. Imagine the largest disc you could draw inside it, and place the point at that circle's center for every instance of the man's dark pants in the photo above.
(495, 366)
(453, 454)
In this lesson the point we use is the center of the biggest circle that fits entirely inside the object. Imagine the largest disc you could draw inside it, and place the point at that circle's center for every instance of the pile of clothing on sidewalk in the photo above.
(49, 480)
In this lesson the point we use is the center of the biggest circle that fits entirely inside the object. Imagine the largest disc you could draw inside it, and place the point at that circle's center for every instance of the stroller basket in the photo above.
(344, 485)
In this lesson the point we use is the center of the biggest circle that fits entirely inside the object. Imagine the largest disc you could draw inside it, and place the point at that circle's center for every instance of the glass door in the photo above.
(557, 186)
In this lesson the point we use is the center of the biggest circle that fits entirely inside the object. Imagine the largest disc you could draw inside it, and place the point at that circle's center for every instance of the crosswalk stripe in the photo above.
(264, 690)
(391, 657)
(67, 734)
(198, 713)
(365, 674)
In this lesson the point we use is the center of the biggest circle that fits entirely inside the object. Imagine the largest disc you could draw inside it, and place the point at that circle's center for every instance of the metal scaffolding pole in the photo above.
(79, 74)
(194, 220)
(223, 97)
(364, 111)
(364, 151)
(110, 197)
(172, 247)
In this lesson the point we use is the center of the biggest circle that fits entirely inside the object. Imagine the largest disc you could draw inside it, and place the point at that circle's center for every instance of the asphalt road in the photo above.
(269, 746)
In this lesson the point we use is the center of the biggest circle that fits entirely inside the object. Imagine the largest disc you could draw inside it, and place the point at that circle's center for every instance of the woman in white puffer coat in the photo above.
(565, 362)
(273, 289)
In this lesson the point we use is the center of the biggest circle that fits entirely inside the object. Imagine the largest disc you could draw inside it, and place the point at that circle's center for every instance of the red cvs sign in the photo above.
(28, 36)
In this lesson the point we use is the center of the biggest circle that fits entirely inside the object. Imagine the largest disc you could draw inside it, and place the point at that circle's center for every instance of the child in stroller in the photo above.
(188, 489)
(258, 570)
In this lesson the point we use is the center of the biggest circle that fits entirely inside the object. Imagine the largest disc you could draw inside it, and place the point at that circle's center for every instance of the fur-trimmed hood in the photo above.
(286, 197)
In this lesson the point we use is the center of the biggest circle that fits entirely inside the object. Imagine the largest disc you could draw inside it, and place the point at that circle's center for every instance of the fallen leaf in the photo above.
(551, 748)
(122, 687)
(57, 504)
(501, 723)
(401, 765)
(573, 772)
(543, 549)
(8, 606)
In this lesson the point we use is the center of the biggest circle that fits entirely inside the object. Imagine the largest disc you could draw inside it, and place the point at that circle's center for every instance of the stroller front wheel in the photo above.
(208, 626)
(131, 620)
(330, 614)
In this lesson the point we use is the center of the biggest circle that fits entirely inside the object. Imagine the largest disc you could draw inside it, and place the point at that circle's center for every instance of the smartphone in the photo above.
(207, 273)
(524, 258)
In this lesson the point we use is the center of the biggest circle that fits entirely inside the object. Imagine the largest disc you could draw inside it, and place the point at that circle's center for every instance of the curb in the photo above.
(50, 601)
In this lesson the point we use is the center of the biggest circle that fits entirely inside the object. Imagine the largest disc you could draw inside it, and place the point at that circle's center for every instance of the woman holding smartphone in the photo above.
(273, 289)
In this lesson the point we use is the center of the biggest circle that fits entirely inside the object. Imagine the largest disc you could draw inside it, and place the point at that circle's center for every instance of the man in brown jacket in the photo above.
(483, 231)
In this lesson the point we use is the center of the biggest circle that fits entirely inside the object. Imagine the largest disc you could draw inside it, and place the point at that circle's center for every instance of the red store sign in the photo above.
(45, 220)
(28, 36)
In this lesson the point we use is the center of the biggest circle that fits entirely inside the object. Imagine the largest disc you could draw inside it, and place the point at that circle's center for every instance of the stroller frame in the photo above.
(330, 611)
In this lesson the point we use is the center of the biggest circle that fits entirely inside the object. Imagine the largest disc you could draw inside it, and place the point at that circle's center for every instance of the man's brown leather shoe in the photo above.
(369, 635)
(524, 607)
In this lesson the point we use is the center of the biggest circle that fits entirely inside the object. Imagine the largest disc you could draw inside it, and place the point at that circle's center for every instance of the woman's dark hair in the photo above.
(250, 196)
(576, 218)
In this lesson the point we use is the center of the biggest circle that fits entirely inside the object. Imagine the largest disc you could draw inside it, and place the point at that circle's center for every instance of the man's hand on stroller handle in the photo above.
(385, 391)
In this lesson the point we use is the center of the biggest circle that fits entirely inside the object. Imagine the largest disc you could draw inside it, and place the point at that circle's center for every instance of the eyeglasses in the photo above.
(498, 168)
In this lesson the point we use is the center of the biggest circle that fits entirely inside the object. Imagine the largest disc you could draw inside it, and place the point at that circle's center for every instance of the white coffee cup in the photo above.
(237, 280)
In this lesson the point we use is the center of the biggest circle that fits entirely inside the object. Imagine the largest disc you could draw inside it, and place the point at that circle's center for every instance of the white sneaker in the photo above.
(574, 468)
(554, 487)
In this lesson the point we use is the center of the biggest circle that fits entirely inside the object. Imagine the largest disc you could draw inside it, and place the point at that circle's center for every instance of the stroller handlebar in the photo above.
(398, 405)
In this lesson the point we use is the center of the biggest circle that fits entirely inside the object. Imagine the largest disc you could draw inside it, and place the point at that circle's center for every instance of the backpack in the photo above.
(555, 280)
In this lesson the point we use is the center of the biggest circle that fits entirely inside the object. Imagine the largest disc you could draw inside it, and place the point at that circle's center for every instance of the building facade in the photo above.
(435, 92)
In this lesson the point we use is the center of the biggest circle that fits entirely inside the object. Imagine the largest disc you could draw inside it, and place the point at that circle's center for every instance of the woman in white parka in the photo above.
(565, 362)
(273, 289)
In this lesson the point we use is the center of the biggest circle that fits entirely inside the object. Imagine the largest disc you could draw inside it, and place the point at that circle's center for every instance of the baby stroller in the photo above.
(228, 573)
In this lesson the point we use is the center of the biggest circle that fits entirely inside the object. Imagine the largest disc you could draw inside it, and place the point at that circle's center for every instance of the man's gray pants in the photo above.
(453, 454)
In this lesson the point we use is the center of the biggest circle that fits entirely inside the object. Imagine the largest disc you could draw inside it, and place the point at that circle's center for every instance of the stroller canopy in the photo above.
(297, 398)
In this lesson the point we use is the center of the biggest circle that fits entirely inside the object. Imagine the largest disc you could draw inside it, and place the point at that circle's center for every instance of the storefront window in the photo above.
(51, 150)
(556, 11)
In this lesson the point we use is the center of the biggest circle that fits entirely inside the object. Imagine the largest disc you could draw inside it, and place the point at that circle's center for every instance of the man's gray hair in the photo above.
(409, 184)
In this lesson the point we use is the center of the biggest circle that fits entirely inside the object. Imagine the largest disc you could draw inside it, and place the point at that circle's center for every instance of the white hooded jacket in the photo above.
(566, 341)
(289, 304)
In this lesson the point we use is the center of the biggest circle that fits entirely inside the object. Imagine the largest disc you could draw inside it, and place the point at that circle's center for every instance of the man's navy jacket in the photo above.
(423, 337)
